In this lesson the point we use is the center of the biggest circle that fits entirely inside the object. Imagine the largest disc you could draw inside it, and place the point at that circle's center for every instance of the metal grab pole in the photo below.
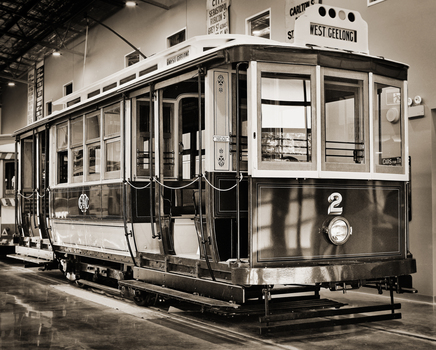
(238, 163)
(200, 170)
(150, 160)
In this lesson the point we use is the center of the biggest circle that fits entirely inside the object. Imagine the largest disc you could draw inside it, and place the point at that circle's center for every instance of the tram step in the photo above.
(176, 294)
(29, 259)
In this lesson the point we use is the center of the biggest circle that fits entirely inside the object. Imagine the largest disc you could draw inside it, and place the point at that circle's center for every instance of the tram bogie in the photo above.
(246, 165)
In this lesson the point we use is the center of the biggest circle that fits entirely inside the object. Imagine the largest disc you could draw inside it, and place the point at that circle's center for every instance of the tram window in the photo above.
(143, 138)
(190, 136)
(168, 142)
(63, 167)
(343, 121)
(94, 159)
(181, 133)
(27, 169)
(286, 118)
(243, 139)
(9, 178)
(93, 127)
(112, 121)
(62, 153)
(112, 127)
(77, 148)
(388, 144)
(113, 156)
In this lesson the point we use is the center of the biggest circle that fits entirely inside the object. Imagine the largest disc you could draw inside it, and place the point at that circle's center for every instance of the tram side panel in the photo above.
(291, 220)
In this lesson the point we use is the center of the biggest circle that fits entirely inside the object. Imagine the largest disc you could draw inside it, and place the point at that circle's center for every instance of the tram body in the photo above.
(223, 165)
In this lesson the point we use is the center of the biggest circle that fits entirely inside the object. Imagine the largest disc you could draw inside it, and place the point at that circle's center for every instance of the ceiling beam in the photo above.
(10, 78)
(39, 42)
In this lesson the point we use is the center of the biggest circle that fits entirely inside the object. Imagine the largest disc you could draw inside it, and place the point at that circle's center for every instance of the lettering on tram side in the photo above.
(178, 57)
(391, 161)
(333, 32)
(218, 16)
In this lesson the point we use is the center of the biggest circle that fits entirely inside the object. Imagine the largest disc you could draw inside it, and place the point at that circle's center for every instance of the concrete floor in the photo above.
(40, 310)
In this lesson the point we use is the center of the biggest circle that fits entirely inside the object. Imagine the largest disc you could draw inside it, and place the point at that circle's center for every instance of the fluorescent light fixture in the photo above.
(130, 3)
(56, 53)
(11, 83)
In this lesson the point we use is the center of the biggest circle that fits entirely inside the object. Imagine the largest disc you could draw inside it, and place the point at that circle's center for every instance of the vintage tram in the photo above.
(228, 168)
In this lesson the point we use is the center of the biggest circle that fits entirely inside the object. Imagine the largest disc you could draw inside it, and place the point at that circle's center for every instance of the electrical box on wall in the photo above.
(416, 111)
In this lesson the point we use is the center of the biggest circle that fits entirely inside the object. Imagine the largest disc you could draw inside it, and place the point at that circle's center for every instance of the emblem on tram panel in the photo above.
(220, 82)
(221, 160)
(83, 202)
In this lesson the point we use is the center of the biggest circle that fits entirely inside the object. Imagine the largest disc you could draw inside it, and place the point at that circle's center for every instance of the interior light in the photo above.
(130, 3)
(11, 83)
(56, 53)
(338, 230)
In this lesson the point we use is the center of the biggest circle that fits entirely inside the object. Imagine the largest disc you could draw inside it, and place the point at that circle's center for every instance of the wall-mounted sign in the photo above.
(294, 9)
(39, 109)
(218, 16)
(30, 96)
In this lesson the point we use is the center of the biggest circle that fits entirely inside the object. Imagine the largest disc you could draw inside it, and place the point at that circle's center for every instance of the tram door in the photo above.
(33, 200)
(180, 157)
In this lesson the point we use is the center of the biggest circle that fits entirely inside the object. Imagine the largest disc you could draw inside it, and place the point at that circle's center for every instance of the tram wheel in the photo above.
(143, 299)
(80, 285)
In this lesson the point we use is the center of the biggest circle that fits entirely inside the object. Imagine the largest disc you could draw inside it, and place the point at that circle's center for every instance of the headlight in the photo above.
(338, 230)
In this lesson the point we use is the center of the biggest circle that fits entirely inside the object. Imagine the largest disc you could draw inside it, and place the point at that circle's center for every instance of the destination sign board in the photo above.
(326, 31)
(331, 27)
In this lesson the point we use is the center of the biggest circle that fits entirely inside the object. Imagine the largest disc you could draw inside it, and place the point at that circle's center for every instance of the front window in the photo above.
(286, 118)
(388, 126)
(344, 122)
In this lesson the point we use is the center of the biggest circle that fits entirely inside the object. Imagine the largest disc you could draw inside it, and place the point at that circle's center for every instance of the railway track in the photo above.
(239, 331)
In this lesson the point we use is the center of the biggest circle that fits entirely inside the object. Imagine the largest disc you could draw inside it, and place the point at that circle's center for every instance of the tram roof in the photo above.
(210, 51)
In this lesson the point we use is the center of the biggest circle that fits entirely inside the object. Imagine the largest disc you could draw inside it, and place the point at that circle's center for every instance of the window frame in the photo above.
(76, 147)
(273, 169)
(388, 170)
(110, 138)
(63, 148)
(140, 136)
(249, 20)
(9, 192)
(364, 110)
(173, 35)
(91, 142)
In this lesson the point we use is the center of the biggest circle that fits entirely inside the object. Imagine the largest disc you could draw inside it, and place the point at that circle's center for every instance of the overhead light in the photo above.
(11, 83)
(56, 53)
(130, 3)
